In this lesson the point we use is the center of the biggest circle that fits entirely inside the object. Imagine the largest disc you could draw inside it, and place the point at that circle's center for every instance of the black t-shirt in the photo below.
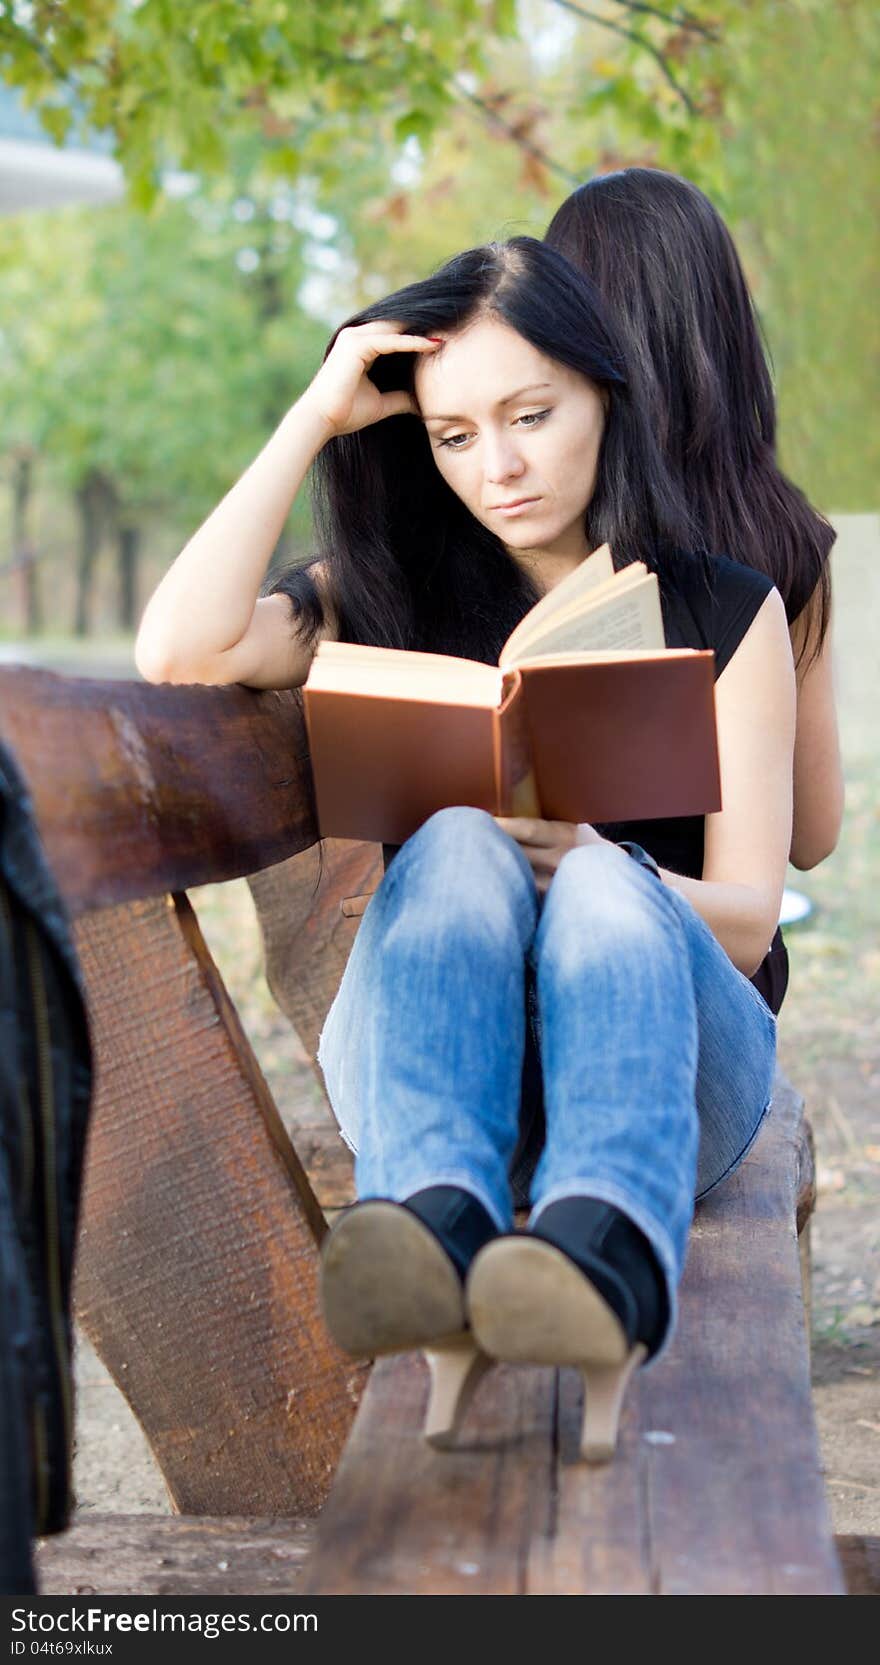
(706, 603)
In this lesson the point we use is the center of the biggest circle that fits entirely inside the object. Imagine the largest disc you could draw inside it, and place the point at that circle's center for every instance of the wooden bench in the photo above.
(196, 1278)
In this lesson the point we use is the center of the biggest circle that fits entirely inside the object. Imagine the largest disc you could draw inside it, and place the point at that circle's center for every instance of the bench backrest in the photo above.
(196, 1277)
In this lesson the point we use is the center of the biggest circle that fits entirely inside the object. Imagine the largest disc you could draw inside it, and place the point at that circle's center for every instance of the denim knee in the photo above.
(466, 832)
(459, 860)
(601, 898)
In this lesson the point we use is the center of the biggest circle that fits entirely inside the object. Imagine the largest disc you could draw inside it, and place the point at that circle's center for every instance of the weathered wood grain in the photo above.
(323, 1153)
(405, 1519)
(860, 1559)
(196, 1276)
(162, 1555)
(307, 938)
(716, 1484)
(167, 1555)
(139, 790)
(306, 935)
(197, 1269)
(737, 1505)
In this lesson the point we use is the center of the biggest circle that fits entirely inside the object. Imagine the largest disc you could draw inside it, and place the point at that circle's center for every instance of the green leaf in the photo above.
(416, 124)
(57, 121)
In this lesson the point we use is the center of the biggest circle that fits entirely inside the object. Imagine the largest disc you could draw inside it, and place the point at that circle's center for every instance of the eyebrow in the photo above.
(533, 387)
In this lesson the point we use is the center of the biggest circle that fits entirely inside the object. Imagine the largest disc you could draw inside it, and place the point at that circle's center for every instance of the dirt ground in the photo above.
(829, 1046)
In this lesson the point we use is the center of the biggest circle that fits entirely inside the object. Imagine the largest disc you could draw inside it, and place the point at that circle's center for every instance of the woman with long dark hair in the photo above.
(667, 267)
(527, 1003)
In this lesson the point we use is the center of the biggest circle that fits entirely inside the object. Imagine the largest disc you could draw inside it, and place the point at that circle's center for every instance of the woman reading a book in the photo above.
(475, 438)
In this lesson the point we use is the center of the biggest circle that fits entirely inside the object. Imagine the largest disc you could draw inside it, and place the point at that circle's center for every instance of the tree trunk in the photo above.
(24, 555)
(128, 545)
(91, 498)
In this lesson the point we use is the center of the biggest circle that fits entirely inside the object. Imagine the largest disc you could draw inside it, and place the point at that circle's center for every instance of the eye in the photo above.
(532, 418)
(452, 441)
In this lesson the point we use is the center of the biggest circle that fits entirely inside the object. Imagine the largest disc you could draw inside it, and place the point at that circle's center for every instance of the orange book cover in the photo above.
(609, 738)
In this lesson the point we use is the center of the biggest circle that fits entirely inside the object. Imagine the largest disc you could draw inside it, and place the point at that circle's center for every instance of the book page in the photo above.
(392, 673)
(629, 621)
(531, 640)
(612, 656)
(596, 570)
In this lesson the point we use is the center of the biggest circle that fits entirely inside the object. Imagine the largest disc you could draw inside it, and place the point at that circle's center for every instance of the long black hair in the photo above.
(407, 563)
(667, 266)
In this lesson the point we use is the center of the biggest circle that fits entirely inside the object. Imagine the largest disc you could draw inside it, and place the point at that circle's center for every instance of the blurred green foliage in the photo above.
(335, 153)
(802, 188)
(158, 351)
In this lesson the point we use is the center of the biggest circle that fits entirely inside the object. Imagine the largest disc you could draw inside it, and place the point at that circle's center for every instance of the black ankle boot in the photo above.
(617, 1258)
(458, 1220)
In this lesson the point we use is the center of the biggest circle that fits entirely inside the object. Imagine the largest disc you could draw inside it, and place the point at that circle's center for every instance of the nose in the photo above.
(501, 458)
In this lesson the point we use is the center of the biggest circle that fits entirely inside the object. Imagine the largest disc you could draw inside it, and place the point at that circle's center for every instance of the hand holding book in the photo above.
(544, 843)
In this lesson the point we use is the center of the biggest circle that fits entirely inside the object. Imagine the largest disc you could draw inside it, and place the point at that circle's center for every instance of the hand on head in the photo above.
(342, 392)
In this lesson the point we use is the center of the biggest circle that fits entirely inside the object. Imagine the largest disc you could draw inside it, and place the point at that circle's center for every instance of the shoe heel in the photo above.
(457, 1368)
(604, 1388)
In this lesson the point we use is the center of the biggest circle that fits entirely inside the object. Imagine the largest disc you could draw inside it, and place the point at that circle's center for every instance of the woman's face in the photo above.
(516, 435)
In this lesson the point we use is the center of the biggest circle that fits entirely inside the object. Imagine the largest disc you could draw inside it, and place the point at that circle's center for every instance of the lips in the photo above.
(518, 503)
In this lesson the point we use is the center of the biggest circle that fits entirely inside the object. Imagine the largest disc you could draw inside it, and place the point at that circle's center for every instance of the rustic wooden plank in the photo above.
(860, 1560)
(307, 936)
(716, 1482)
(197, 1268)
(737, 1505)
(174, 1555)
(140, 790)
(716, 1487)
(324, 1155)
(598, 1543)
(405, 1519)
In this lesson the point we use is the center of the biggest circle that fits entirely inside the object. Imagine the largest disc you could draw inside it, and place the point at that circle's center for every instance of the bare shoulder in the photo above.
(769, 621)
(748, 840)
(763, 664)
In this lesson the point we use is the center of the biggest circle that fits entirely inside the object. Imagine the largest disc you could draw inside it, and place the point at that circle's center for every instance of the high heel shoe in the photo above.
(582, 1287)
(392, 1280)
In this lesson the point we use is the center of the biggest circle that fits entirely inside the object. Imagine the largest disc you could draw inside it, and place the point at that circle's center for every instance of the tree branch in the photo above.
(507, 128)
(17, 35)
(639, 40)
(682, 19)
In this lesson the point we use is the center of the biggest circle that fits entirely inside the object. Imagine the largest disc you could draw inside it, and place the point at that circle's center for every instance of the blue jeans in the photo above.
(657, 1054)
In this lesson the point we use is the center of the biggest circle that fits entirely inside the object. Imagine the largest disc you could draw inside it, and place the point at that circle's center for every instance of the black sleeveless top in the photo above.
(706, 603)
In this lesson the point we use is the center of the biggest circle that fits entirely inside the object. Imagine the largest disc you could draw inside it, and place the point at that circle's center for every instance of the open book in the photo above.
(588, 716)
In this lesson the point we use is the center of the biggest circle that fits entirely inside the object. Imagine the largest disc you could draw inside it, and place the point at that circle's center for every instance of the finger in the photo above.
(377, 324)
(394, 324)
(516, 826)
(399, 404)
(526, 829)
(371, 348)
(543, 864)
(542, 860)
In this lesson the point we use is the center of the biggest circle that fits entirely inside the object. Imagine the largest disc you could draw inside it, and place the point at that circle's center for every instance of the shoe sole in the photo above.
(387, 1284)
(529, 1304)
